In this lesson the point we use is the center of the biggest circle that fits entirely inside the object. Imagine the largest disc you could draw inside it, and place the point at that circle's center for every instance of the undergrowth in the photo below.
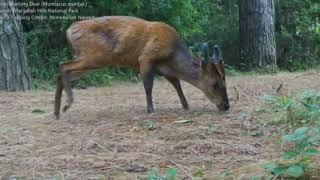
(296, 120)
(98, 78)
(296, 110)
(299, 114)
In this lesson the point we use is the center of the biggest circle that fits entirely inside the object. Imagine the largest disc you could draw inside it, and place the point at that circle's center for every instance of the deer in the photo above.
(152, 48)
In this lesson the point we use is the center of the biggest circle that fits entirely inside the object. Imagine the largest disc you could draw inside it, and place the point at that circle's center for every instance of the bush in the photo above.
(295, 110)
(301, 116)
(298, 33)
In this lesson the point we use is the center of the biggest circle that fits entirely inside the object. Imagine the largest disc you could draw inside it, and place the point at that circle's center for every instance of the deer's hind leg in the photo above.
(71, 71)
(58, 94)
(63, 83)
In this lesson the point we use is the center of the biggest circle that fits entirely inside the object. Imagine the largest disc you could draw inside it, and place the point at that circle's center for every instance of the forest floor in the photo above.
(107, 132)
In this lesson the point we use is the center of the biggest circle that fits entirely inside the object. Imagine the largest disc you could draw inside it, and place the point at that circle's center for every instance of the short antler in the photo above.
(205, 51)
(216, 50)
(216, 54)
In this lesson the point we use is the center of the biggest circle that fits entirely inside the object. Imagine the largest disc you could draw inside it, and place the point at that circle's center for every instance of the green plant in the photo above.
(300, 113)
(297, 33)
(171, 174)
(295, 110)
(296, 161)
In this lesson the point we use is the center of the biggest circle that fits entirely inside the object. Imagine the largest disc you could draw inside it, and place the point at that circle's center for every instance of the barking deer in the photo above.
(150, 47)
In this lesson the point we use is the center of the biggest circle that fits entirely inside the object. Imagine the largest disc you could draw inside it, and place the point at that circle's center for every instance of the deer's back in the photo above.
(121, 40)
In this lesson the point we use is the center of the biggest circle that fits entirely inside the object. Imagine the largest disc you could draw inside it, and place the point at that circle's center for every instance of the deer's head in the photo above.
(212, 81)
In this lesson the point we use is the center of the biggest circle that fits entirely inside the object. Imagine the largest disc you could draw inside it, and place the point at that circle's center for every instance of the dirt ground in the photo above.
(107, 132)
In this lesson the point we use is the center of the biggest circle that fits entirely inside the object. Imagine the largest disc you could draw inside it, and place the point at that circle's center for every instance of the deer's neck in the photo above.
(190, 75)
(190, 72)
(185, 67)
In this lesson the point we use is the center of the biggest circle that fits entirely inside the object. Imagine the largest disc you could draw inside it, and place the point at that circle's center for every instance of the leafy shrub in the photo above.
(295, 110)
(296, 162)
(298, 34)
(301, 115)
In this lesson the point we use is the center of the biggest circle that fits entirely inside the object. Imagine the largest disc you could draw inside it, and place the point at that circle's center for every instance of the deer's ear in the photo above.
(219, 68)
(216, 50)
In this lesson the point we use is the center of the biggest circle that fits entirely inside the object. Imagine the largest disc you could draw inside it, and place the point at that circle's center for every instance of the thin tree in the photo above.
(257, 33)
(14, 71)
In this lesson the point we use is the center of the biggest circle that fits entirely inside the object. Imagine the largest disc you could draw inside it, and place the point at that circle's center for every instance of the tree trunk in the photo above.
(14, 72)
(257, 33)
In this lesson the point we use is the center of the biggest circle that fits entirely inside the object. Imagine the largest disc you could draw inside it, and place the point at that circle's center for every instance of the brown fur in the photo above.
(150, 47)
